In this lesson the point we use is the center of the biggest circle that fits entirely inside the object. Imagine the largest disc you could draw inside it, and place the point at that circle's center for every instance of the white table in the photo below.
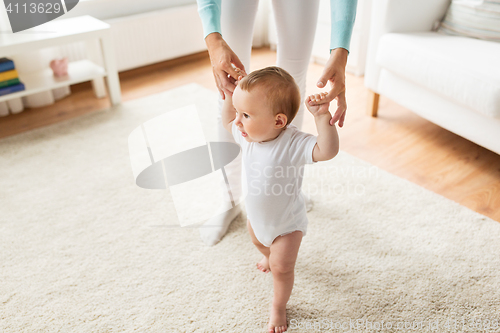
(82, 28)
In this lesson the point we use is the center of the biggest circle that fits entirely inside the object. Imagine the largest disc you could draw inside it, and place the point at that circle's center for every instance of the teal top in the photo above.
(343, 13)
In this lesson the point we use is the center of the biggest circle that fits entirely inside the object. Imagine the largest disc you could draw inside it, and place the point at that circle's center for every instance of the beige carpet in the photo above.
(82, 249)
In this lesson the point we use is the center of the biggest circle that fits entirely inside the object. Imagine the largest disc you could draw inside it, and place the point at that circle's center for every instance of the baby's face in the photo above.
(254, 117)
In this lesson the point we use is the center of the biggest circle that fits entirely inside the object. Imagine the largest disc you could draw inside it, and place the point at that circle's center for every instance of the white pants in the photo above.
(296, 22)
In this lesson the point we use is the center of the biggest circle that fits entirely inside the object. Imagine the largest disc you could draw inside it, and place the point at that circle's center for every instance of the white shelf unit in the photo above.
(78, 71)
(82, 28)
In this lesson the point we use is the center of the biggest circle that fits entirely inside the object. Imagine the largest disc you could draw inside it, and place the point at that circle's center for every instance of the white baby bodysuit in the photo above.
(273, 180)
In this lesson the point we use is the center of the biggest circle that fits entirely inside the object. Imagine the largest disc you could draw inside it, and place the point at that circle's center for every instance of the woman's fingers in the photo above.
(337, 115)
(227, 83)
(219, 86)
(239, 65)
(341, 110)
(342, 118)
(337, 88)
(327, 75)
(229, 77)
(234, 72)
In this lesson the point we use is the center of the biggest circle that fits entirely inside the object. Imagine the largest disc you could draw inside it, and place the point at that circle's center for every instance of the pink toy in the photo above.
(59, 67)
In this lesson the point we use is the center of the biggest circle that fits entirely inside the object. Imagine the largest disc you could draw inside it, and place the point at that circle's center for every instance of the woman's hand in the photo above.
(223, 59)
(334, 73)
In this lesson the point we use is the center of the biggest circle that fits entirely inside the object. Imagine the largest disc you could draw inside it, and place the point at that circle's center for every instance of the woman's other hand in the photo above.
(223, 59)
(334, 73)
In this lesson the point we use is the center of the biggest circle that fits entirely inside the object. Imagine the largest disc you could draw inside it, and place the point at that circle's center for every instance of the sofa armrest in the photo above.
(398, 16)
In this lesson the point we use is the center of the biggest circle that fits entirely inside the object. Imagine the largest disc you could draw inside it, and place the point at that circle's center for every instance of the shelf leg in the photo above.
(110, 64)
(94, 54)
(372, 106)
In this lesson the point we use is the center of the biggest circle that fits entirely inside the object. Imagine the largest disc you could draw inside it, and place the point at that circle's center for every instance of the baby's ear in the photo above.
(280, 120)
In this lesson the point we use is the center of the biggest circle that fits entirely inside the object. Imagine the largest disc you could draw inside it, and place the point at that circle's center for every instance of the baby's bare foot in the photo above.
(277, 320)
(263, 265)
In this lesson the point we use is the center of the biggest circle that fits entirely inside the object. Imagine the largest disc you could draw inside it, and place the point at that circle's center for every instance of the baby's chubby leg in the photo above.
(263, 265)
(282, 260)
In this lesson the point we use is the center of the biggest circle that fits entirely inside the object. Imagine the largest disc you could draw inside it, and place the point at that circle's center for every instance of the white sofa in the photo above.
(452, 81)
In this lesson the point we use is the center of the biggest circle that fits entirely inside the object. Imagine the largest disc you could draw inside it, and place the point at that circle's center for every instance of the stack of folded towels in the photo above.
(9, 78)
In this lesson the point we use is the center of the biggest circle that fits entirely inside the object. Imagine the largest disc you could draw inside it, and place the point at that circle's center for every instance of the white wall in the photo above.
(4, 20)
(107, 9)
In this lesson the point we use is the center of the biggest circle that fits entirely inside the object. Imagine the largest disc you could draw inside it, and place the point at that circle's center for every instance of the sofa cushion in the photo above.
(473, 18)
(465, 70)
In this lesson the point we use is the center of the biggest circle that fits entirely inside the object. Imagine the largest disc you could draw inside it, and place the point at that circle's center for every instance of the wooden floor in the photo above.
(398, 141)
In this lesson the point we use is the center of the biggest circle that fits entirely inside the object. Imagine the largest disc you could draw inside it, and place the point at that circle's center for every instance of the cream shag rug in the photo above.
(83, 249)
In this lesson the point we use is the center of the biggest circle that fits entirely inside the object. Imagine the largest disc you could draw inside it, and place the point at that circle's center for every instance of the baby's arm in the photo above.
(327, 145)
(228, 112)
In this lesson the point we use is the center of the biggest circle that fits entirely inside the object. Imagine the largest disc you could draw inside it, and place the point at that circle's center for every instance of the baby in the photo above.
(274, 154)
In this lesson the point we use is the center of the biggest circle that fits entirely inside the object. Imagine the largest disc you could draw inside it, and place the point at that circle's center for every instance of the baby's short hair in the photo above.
(282, 92)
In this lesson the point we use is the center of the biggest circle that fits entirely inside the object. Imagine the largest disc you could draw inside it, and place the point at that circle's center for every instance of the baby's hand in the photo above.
(319, 109)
